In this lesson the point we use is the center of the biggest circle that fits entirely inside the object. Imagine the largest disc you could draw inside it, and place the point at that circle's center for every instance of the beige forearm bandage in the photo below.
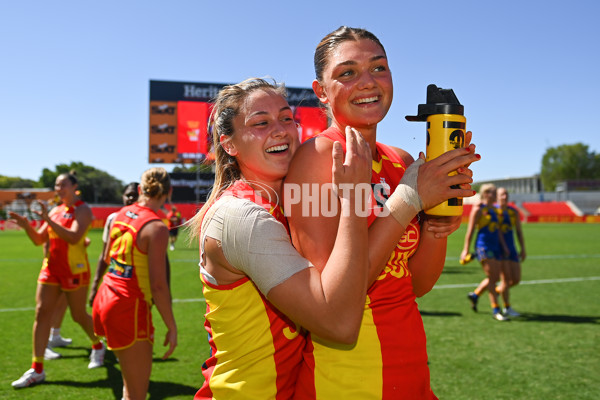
(405, 202)
(400, 210)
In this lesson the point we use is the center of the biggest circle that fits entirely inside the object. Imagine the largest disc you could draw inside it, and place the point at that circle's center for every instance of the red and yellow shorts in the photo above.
(63, 277)
(122, 320)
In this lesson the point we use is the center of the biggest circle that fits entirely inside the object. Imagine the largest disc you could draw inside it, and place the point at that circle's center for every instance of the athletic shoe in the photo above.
(97, 357)
(50, 354)
(59, 341)
(172, 247)
(499, 317)
(29, 378)
(508, 311)
(473, 298)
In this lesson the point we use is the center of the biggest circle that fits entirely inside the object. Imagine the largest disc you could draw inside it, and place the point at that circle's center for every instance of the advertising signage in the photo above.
(179, 113)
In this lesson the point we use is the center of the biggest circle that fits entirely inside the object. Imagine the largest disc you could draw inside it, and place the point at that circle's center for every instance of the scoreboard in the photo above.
(179, 113)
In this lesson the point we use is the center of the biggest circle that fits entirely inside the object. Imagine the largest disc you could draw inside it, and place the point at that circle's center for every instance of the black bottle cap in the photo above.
(439, 101)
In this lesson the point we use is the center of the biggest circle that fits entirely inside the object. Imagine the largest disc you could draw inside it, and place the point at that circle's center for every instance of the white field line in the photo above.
(455, 286)
(547, 257)
(201, 299)
(563, 256)
(529, 257)
(195, 261)
(535, 282)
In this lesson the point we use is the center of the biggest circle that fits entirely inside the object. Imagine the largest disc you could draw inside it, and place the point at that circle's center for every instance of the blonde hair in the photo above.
(155, 182)
(487, 186)
(226, 107)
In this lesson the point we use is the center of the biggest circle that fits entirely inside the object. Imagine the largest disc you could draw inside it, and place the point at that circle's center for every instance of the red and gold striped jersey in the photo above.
(128, 271)
(389, 360)
(64, 258)
(256, 351)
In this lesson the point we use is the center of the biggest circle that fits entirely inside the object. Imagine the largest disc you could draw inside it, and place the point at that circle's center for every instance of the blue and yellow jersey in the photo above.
(508, 221)
(487, 229)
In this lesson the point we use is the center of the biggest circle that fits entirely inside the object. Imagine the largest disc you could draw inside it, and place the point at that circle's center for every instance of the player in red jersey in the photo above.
(255, 283)
(259, 290)
(389, 359)
(65, 269)
(137, 279)
(55, 339)
(130, 196)
(174, 217)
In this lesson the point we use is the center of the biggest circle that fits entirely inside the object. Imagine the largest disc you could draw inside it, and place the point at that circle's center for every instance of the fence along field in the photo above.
(553, 351)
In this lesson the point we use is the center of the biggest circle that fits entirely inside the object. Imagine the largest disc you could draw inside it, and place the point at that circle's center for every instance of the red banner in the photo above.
(312, 121)
(564, 218)
(192, 117)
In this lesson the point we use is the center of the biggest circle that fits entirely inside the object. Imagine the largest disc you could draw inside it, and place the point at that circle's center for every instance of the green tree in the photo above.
(569, 162)
(9, 182)
(96, 186)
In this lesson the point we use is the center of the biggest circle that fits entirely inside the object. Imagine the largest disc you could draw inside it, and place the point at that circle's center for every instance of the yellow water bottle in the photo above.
(446, 127)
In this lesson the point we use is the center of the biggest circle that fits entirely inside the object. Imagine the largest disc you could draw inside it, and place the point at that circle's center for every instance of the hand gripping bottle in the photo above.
(445, 131)
(468, 258)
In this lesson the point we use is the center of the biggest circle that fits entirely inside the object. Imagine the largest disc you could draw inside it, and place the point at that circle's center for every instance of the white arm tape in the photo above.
(105, 232)
(405, 202)
(254, 242)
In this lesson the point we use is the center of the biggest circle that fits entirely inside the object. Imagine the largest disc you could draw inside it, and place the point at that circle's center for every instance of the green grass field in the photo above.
(552, 352)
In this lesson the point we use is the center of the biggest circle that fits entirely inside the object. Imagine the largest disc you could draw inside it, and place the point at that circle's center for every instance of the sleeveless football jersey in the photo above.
(64, 258)
(507, 218)
(128, 269)
(487, 229)
(256, 351)
(389, 359)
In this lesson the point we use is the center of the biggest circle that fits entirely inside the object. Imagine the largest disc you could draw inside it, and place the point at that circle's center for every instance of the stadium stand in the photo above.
(557, 208)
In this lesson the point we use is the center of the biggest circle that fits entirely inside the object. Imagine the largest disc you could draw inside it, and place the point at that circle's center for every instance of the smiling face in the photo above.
(65, 189)
(265, 137)
(357, 84)
(502, 197)
(488, 196)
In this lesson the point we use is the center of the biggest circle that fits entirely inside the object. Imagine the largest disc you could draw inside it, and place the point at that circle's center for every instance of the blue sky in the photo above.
(74, 76)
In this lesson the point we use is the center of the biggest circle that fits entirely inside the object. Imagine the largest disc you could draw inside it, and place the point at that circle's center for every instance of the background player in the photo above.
(174, 217)
(510, 224)
(489, 247)
(130, 196)
(66, 269)
(137, 279)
